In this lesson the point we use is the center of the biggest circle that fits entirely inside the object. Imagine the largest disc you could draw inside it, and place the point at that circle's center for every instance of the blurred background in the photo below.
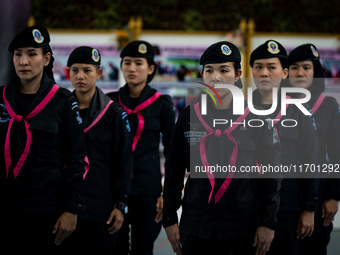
(180, 31)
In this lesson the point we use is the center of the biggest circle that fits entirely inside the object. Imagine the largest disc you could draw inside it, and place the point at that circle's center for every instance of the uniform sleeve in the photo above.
(333, 189)
(122, 157)
(73, 149)
(268, 153)
(333, 149)
(175, 167)
(308, 153)
(168, 124)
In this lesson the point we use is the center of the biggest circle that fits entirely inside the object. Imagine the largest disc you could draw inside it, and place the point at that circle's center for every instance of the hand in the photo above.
(305, 224)
(263, 239)
(174, 238)
(118, 217)
(329, 209)
(64, 227)
(159, 209)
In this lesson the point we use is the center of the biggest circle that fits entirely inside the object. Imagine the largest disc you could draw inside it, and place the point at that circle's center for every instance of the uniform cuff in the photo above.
(75, 206)
(169, 221)
(265, 222)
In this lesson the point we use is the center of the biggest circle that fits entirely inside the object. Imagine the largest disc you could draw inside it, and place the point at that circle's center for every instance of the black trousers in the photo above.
(193, 245)
(90, 238)
(317, 243)
(144, 229)
(285, 240)
(27, 235)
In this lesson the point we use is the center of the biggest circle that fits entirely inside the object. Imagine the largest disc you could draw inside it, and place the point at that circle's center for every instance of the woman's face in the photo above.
(29, 63)
(220, 73)
(136, 70)
(301, 74)
(84, 77)
(268, 73)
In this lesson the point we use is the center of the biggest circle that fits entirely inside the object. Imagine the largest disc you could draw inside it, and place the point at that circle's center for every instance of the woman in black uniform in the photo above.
(305, 71)
(299, 145)
(42, 150)
(109, 157)
(229, 213)
(150, 114)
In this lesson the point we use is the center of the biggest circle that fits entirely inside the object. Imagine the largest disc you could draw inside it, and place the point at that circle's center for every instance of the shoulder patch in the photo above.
(74, 106)
(126, 121)
(4, 116)
(122, 115)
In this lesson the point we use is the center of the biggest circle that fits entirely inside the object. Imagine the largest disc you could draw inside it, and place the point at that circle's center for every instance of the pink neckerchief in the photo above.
(203, 153)
(136, 111)
(101, 114)
(19, 118)
(318, 103)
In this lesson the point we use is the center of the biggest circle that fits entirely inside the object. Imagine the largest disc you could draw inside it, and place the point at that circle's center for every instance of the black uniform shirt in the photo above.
(327, 119)
(247, 203)
(299, 145)
(159, 117)
(108, 144)
(49, 181)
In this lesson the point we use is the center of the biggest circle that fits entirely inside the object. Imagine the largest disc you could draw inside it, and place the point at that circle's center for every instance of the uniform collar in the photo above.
(99, 102)
(257, 102)
(126, 99)
(12, 93)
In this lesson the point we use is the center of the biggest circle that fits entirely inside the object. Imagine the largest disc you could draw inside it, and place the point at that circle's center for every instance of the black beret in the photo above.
(34, 36)
(84, 55)
(270, 49)
(303, 52)
(221, 52)
(309, 52)
(138, 49)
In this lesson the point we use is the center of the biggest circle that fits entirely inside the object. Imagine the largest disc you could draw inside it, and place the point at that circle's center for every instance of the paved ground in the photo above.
(163, 247)
(334, 246)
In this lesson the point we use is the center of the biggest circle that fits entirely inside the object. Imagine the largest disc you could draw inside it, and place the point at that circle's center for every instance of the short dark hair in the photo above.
(237, 66)
(46, 49)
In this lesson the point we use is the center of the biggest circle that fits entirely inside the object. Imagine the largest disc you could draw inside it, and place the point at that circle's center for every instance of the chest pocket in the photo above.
(288, 133)
(248, 145)
(45, 135)
(150, 134)
(244, 139)
(99, 145)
